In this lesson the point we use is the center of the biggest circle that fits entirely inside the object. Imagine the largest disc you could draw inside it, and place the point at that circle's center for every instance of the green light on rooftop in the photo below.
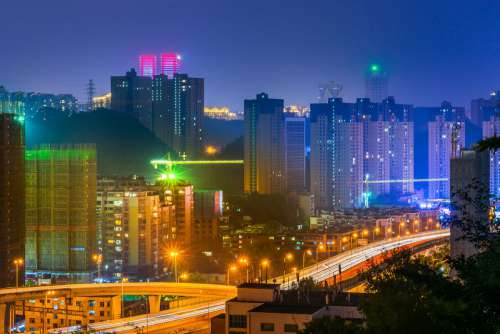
(374, 68)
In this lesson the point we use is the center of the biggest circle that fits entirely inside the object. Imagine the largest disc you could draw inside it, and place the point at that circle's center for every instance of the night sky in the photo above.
(433, 50)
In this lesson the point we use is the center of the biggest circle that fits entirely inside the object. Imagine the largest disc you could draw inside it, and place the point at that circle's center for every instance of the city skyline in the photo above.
(398, 43)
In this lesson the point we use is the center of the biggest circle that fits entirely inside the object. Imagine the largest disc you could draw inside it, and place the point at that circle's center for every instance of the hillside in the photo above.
(124, 146)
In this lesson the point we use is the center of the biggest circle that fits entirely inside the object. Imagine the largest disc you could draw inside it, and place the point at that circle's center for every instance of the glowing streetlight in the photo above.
(306, 252)
(230, 268)
(319, 248)
(18, 262)
(287, 257)
(174, 254)
(245, 262)
(184, 276)
(376, 231)
(123, 280)
(264, 264)
(98, 260)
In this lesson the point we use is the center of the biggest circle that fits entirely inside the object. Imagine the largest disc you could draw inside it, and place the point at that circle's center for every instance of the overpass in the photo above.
(212, 297)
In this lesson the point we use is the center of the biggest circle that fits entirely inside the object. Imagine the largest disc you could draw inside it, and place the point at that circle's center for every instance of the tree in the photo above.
(329, 325)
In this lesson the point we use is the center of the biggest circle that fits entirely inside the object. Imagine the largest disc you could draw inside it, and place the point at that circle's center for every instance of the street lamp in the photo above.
(98, 260)
(344, 240)
(184, 276)
(174, 254)
(353, 236)
(18, 262)
(124, 280)
(306, 252)
(244, 261)
(376, 230)
(402, 224)
(287, 257)
(320, 247)
(47, 294)
(230, 268)
(264, 263)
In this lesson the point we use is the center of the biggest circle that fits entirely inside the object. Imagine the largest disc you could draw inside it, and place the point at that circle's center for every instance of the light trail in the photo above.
(404, 181)
(164, 162)
(319, 272)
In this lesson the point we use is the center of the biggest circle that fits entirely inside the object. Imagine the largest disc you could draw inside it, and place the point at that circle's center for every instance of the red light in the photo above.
(170, 64)
(147, 65)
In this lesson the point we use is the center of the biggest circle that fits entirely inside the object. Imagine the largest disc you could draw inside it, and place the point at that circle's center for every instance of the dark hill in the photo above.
(124, 146)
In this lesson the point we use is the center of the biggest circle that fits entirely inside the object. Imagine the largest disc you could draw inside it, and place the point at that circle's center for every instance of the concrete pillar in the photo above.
(154, 303)
(116, 307)
(3, 318)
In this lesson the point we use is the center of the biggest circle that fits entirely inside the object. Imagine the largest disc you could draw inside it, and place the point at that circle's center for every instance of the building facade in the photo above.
(446, 140)
(264, 169)
(376, 84)
(178, 107)
(12, 196)
(128, 219)
(491, 128)
(295, 154)
(60, 211)
(131, 94)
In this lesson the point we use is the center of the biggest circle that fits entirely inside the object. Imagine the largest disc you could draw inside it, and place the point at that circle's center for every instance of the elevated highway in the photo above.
(212, 297)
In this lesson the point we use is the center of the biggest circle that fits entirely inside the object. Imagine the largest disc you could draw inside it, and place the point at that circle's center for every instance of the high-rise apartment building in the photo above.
(329, 90)
(491, 128)
(446, 139)
(181, 231)
(349, 164)
(295, 154)
(264, 169)
(128, 219)
(178, 107)
(147, 65)
(339, 166)
(376, 83)
(12, 196)
(170, 64)
(377, 163)
(131, 94)
(322, 154)
(401, 154)
(60, 211)
(208, 209)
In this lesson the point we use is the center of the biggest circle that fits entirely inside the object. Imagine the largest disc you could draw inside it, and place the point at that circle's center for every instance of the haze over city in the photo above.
(250, 167)
(432, 50)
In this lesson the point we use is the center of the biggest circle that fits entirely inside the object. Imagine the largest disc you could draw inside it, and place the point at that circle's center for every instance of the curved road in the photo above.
(218, 293)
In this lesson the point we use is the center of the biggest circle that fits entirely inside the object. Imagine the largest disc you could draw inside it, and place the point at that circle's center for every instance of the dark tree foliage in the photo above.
(328, 325)
(488, 144)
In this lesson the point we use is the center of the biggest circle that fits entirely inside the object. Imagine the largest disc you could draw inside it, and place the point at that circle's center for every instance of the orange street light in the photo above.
(173, 254)
(18, 262)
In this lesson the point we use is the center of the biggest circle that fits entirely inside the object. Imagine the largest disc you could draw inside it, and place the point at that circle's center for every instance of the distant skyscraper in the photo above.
(147, 65)
(178, 107)
(376, 83)
(170, 64)
(131, 94)
(61, 210)
(446, 139)
(322, 154)
(482, 109)
(295, 154)
(349, 173)
(12, 196)
(329, 90)
(401, 139)
(376, 156)
(264, 170)
(491, 128)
